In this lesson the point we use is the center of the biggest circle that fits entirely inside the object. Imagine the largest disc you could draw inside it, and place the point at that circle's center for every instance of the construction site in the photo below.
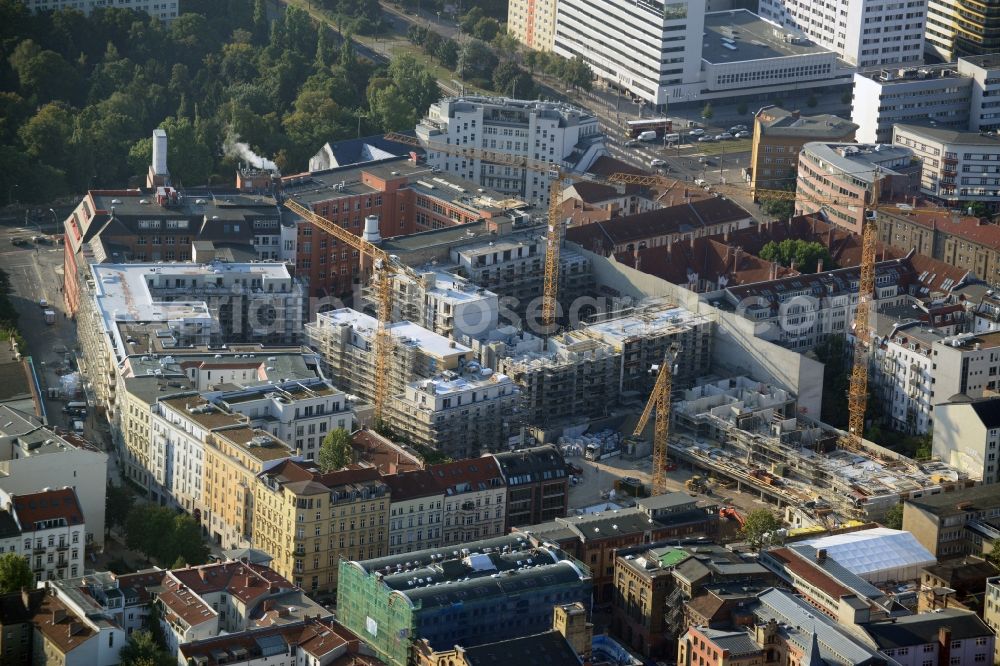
(749, 437)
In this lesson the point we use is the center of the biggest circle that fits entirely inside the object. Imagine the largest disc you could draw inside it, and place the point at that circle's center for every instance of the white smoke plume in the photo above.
(233, 147)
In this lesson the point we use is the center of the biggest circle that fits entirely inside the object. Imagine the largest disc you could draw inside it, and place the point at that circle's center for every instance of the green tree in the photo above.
(806, 255)
(707, 111)
(417, 85)
(759, 527)
(476, 60)
(486, 29)
(15, 573)
(185, 542)
(577, 73)
(775, 207)
(141, 650)
(894, 517)
(148, 528)
(470, 19)
(447, 53)
(118, 503)
(993, 557)
(336, 451)
(43, 74)
(47, 135)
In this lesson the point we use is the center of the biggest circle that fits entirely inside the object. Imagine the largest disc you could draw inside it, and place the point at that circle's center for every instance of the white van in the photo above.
(648, 135)
(672, 138)
(700, 182)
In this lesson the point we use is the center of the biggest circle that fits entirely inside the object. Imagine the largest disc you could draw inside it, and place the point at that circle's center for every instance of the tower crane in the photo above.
(554, 232)
(659, 401)
(857, 395)
(383, 269)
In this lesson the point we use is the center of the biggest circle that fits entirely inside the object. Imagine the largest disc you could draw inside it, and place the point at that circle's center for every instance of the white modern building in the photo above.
(47, 528)
(164, 10)
(967, 436)
(961, 95)
(564, 135)
(180, 427)
(33, 458)
(672, 53)
(446, 304)
(865, 33)
(642, 48)
(957, 167)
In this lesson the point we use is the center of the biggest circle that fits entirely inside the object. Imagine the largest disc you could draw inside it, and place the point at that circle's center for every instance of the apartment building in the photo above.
(308, 521)
(862, 32)
(955, 30)
(991, 609)
(963, 241)
(951, 634)
(832, 173)
(62, 635)
(508, 586)
(564, 135)
(141, 309)
(533, 23)
(568, 376)
(234, 458)
(401, 195)
(163, 10)
(156, 372)
(953, 524)
(415, 511)
(967, 436)
(957, 95)
(33, 457)
(957, 168)
(345, 339)
(693, 217)
(779, 135)
(16, 612)
(537, 484)
(126, 226)
(445, 303)
(47, 529)
(644, 336)
(595, 538)
(513, 268)
(300, 413)
(459, 413)
(475, 499)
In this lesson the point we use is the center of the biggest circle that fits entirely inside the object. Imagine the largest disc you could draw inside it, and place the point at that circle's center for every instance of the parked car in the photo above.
(725, 136)
(700, 182)
(736, 129)
(743, 135)
(657, 162)
(707, 139)
(42, 303)
(631, 143)
(697, 132)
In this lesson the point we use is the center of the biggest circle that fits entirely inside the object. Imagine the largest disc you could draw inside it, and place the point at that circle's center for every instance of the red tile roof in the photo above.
(412, 485)
(34, 510)
(183, 588)
(386, 455)
(800, 568)
(468, 475)
(57, 623)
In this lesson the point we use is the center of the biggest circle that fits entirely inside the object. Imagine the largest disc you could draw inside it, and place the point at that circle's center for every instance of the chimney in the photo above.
(203, 573)
(819, 265)
(774, 271)
(792, 266)
(821, 555)
(371, 232)
(796, 115)
(944, 646)
(160, 152)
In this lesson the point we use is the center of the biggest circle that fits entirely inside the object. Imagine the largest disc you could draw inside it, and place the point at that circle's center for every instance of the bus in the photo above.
(658, 125)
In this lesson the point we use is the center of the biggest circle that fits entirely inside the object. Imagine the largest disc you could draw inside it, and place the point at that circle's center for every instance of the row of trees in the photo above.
(172, 539)
(806, 255)
(494, 60)
(80, 95)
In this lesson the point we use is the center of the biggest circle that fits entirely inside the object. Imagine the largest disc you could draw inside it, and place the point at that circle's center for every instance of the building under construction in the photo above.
(752, 433)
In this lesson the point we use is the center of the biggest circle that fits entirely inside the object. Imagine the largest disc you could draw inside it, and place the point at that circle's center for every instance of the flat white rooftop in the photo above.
(451, 383)
(405, 332)
(648, 322)
(452, 289)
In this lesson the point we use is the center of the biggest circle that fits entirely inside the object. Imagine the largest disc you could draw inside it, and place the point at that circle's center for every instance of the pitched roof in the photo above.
(60, 626)
(412, 485)
(738, 643)
(467, 475)
(546, 649)
(531, 465)
(911, 630)
(33, 510)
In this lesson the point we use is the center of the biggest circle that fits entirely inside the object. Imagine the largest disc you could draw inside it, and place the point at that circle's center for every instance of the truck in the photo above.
(597, 452)
(50, 316)
(660, 126)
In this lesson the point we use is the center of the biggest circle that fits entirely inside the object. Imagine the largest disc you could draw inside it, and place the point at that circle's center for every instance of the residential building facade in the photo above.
(537, 485)
(475, 499)
(308, 521)
(954, 30)
(165, 11)
(47, 529)
(563, 135)
(533, 23)
(415, 511)
(952, 524)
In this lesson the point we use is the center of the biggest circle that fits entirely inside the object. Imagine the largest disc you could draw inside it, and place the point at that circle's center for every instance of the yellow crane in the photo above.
(555, 228)
(383, 268)
(659, 401)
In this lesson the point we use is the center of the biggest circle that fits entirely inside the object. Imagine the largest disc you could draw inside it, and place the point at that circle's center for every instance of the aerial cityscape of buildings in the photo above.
(695, 361)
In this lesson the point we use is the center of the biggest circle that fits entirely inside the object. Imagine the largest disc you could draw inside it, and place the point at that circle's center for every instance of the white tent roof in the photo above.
(868, 552)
